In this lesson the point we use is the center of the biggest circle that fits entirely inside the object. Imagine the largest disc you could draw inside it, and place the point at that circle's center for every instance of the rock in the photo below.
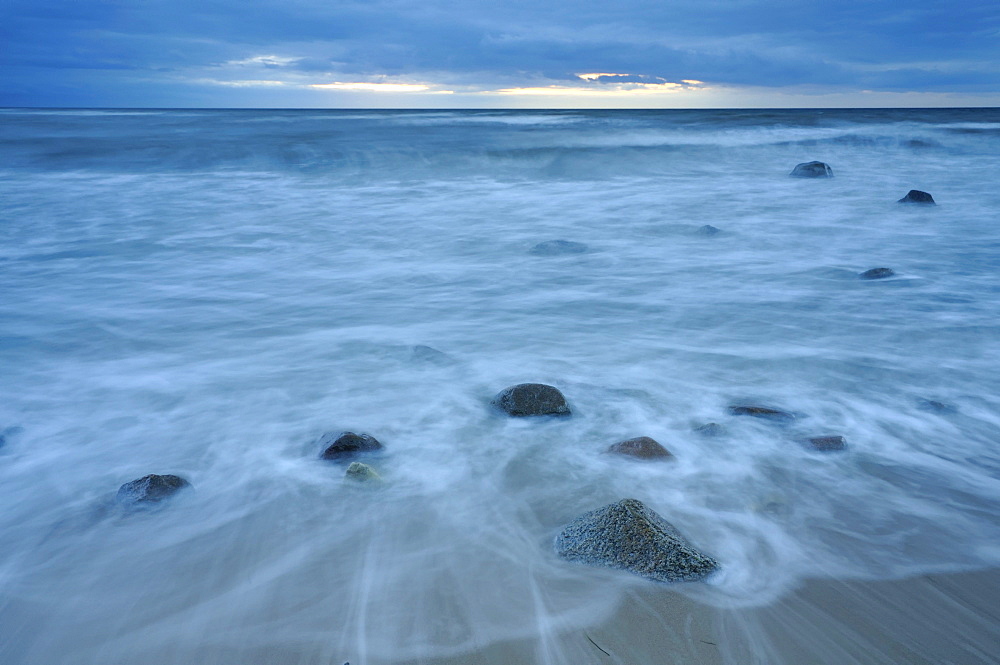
(629, 536)
(812, 170)
(877, 273)
(761, 412)
(428, 354)
(348, 445)
(708, 230)
(8, 433)
(150, 489)
(710, 429)
(827, 443)
(362, 473)
(641, 447)
(935, 406)
(916, 196)
(531, 399)
(556, 247)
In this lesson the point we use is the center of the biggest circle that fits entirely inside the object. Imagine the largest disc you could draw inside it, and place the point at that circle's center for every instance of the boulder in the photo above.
(629, 536)
(916, 196)
(827, 443)
(761, 412)
(556, 247)
(362, 473)
(708, 230)
(877, 273)
(348, 445)
(812, 170)
(641, 447)
(710, 429)
(150, 489)
(531, 399)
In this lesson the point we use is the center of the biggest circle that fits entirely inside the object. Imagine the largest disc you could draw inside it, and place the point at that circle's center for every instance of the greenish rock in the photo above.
(765, 412)
(629, 536)
(531, 399)
(362, 473)
(641, 447)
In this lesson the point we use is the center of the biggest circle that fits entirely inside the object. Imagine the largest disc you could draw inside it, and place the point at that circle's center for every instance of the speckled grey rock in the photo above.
(764, 412)
(531, 399)
(629, 536)
(557, 247)
(641, 447)
(916, 196)
(360, 472)
(877, 273)
(827, 444)
(150, 489)
(348, 445)
(708, 230)
(812, 170)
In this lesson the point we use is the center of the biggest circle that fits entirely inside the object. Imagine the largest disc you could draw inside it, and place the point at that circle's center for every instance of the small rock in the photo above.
(531, 399)
(150, 489)
(812, 170)
(877, 273)
(935, 406)
(629, 536)
(362, 473)
(710, 429)
(916, 196)
(708, 230)
(348, 445)
(641, 447)
(827, 443)
(761, 412)
(428, 354)
(556, 247)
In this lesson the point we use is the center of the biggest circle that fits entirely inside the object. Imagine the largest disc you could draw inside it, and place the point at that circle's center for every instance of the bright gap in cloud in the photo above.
(372, 87)
(267, 60)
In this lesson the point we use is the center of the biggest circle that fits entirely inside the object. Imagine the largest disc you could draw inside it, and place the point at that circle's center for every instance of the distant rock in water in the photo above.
(629, 536)
(556, 247)
(428, 354)
(708, 230)
(348, 445)
(150, 489)
(935, 406)
(641, 447)
(362, 473)
(812, 170)
(531, 399)
(877, 273)
(827, 443)
(761, 412)
(916, 196)
(710, 429)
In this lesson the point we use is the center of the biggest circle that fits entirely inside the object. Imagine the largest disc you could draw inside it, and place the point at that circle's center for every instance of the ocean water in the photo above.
(206, 293)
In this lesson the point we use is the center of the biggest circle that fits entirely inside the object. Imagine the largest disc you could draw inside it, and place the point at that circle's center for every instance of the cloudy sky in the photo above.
(499, 53)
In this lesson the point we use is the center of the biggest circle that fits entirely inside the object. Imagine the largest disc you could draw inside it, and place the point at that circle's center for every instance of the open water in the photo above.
(206, 293)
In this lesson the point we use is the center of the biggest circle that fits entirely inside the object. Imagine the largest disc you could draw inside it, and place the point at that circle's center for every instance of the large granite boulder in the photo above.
(812, 170)
(348, 445)
(150, 489)
(641, 447)
(557, 247)
(877, 273)
(765, 412)
(916, 196)
(629, 536)
(531, 399)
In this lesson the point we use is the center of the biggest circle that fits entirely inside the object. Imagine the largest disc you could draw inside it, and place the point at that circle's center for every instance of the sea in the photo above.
(207, 293)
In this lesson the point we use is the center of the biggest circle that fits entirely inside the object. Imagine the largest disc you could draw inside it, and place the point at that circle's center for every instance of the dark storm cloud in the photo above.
(104, 47)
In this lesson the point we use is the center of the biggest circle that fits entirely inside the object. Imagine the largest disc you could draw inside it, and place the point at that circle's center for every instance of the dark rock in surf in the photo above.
(150, 489)
(827, 443)
(916, 196)
(812, 170)
(531, 399)
(934, 406)
(710, 430)
(557, 247)
(708, 230)
(877, 273)
(764, 412)
(641, 447)
(629, 536)
(428, 354)
(348, 445)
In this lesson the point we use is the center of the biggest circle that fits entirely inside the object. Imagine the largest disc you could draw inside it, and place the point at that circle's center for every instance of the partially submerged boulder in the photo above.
(916, 196)
(556, 247)
(710, 430)
(348, 445)
(877, 273)
(531, 399)
(363, 473)
(150, 489)
(827, 443)
(708, 230)
(428, 354)
(629, 536)
(641, 447)
(764, 412)
(934, 406)
(812, 170)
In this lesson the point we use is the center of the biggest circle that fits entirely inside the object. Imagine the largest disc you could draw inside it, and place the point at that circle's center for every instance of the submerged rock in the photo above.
(916, 196)
(761, 412)
(531, 399)
(812, 170)
(935, 406)
(348, 445)
(362, 473)
(150, 489)
(555, 247)
(428, 354)
(827, 443)
(629, 536)
(708, 230)
(877, 273)
(641, 447)
(710, 429)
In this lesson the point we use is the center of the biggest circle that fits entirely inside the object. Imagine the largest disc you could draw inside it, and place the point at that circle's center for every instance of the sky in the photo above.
(499, 53)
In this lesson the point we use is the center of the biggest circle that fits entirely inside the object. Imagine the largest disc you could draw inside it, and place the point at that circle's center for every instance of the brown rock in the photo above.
(641, 447)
